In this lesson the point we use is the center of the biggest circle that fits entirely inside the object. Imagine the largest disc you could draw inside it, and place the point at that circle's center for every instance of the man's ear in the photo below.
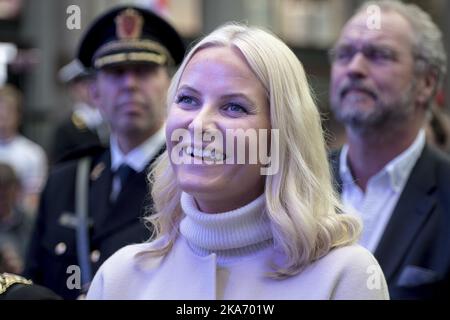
(94, 94)
(427, 86)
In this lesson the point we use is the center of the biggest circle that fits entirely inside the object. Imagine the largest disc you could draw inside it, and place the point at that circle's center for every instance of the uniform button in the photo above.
(60, 248)
(95, 256)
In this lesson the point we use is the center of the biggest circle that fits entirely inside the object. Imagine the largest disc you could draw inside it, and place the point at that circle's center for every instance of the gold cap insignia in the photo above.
(129, 25)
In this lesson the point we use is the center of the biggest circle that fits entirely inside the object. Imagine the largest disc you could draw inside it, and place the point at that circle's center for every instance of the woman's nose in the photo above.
(204, 120)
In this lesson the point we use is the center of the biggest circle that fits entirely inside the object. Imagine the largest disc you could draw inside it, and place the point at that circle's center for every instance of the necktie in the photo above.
(124, 173)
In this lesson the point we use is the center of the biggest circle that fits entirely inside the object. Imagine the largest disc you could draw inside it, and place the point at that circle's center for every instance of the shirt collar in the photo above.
(398, 169)
(344, 170)
(139, 157)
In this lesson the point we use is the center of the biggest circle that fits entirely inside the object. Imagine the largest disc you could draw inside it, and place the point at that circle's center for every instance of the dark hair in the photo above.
(11, 94)
(8, 176)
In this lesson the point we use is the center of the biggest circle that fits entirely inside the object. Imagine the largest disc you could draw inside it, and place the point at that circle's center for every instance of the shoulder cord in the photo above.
(81, 209)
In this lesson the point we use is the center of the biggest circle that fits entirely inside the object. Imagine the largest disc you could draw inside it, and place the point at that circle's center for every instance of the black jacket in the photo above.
(414, 251)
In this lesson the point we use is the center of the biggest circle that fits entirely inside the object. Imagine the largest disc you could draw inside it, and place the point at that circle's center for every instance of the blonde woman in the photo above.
(231, 229)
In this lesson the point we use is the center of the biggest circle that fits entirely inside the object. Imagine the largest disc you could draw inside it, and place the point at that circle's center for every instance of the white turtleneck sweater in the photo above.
(230, 235)
(225, 256)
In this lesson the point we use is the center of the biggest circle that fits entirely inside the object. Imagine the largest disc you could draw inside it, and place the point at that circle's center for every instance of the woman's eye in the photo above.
(185, 100)
(235, 108)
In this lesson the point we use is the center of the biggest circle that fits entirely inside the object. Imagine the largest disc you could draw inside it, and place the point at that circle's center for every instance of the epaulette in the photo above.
(78, 122)
(14, 287)
(8, 279)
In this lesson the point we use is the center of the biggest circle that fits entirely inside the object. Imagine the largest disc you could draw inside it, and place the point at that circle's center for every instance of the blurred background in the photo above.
(38, 37)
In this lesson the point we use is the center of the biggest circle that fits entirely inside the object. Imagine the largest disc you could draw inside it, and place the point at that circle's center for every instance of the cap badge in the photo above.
(129, 25)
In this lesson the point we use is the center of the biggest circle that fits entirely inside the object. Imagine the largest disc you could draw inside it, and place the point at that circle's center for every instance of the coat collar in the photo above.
(413, 208)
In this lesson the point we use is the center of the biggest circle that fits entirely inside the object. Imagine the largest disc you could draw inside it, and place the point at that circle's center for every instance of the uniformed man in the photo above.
(84, 126)
(78, 227)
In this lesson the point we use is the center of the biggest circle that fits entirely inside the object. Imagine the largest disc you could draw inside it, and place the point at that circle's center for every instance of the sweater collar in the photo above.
(233, 234)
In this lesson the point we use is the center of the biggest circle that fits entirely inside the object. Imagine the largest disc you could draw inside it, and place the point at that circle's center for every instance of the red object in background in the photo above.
(440, 99)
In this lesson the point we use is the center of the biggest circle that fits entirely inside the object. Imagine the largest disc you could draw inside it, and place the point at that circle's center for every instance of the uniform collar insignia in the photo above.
(78, 122)
(97, 171)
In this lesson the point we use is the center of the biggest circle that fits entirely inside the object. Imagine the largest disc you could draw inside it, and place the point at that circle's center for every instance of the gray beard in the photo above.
(383, 115)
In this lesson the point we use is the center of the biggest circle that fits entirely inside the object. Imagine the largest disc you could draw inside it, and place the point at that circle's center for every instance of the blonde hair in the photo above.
(300, 200)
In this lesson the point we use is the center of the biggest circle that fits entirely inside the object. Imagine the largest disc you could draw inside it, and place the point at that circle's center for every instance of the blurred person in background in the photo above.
(85, 125)
(383, 81)
(26, 157)
(15, 225)
(438, 125)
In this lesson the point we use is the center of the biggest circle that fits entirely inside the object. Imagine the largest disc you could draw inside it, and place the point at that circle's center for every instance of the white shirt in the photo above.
(28, 160)
(137, 159)
(377, 204)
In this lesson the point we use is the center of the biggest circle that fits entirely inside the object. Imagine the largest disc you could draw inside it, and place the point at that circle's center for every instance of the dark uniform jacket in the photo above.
(414, 251)
(112, 226)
